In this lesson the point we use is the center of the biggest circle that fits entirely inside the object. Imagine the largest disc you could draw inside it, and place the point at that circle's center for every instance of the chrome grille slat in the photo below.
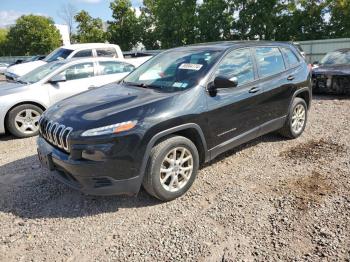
(55, 133)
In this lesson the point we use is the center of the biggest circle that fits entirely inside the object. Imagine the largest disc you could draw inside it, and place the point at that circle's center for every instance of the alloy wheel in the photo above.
(298, 118)
(176, 169)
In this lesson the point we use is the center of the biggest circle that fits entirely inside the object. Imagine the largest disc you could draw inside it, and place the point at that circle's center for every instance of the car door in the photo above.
(275, 85)
(112, 71)
(78, 78)
(235, 112)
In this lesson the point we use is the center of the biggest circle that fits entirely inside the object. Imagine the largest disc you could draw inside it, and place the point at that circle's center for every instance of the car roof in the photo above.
(88, 45)
(90, 59)
(343, 50)
(224, 45)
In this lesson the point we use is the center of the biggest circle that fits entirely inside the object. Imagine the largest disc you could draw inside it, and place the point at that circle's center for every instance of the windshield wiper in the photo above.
(137, 84)
(21, 81)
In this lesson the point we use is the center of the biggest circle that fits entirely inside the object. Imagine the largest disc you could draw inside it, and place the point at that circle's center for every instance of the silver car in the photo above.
(23, 101)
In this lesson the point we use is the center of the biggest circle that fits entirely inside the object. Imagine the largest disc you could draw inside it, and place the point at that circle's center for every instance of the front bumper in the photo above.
(10, 76)
(106, 177)
(331, 84)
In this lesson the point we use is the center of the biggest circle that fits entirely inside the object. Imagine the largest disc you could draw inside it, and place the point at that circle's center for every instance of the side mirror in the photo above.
(222, 82)
(58, 78)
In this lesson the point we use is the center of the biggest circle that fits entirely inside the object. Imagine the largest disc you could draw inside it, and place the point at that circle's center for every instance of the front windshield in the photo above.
(337, 58)
(58, 54)
(174, 70)
(39, 73)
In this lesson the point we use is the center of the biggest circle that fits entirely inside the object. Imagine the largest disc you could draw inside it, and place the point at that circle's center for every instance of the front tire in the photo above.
(296, 120)
(172, 168)
(23, 120)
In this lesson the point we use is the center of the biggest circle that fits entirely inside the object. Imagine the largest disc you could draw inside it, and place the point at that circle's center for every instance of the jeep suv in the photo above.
(177, 111)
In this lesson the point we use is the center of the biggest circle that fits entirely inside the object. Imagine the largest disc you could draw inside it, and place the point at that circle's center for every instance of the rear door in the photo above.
(79, 78)
(275, 83)
(235, 111)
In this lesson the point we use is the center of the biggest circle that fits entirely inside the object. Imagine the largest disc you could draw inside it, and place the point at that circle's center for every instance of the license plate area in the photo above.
(46, 160)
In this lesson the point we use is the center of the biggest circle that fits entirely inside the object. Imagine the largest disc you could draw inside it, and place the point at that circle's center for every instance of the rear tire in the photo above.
(172, 168)
(296, 120)
(23, 120)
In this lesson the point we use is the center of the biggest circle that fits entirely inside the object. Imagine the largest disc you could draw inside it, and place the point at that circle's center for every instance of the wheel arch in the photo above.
(19, 104)
(304, 94)
(191, 131)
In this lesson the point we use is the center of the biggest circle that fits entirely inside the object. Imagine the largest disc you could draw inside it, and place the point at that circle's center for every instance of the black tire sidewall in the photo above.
(158, 189)
(10, 121)
(297, 101)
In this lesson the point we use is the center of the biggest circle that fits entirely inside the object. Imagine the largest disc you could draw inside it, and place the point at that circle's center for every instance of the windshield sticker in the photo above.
(177, 84)
(195, 67)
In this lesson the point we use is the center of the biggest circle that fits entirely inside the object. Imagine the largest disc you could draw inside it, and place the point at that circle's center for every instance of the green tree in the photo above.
(340, 18)
(33, 35)
(3, 41)
(124, 29)
(149, 34)
(214, 20)
(89, 30)
(174, 21)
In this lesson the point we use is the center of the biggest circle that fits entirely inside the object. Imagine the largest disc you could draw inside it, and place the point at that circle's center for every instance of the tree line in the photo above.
(169, 23)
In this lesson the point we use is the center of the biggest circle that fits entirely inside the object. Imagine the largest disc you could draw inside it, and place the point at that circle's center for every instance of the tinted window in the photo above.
(292, 58)
(341, 57)
(270, 61)
(106, 52)
(84, 53)
(110, 67)
(238, 64)
(79, 71)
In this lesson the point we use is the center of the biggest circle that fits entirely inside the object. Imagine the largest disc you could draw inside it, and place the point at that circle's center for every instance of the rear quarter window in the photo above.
(270, 61)
(106, 52)
(292, 59)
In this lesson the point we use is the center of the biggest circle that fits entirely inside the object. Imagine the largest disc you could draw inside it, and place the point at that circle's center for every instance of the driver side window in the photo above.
(79, 71)
(239, 64)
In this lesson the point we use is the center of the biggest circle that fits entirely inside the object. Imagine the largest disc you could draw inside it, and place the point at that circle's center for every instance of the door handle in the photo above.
(291, 78)
(92, 87)
(254, 90)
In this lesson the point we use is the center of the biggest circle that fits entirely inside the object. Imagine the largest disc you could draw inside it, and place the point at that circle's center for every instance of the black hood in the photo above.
(332, 70)
(106, 105)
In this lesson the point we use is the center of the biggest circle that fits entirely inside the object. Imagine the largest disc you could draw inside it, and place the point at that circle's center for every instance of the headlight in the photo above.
(111, 129)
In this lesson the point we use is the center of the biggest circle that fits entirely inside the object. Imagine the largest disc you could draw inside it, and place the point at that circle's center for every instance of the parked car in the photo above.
(66, 52)
(23, 101)
(332, 73)
(180, 109)
(300, 49)
(3, 67)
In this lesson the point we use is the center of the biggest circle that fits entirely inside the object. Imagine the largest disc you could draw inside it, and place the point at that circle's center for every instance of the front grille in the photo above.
(55, 133)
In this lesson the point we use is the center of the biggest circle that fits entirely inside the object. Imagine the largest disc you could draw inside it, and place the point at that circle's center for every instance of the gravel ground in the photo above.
(271, 199)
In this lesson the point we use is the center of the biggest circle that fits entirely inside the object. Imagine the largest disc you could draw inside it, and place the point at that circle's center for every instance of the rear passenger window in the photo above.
(239, 64)
(292, 58)
(84, 53)
(270, 61)
(108, 68)
(106, 52)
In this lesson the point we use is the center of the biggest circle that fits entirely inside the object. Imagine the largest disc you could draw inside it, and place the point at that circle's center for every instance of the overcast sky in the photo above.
(10, 10)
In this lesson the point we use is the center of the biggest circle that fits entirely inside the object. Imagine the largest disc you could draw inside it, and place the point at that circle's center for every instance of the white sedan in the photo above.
(23, 100)
(3, 67)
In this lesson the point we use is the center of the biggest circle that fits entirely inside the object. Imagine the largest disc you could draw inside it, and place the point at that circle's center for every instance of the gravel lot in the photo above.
(271, 199)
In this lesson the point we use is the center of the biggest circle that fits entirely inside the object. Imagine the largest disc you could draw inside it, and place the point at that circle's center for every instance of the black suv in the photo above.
(178, 110)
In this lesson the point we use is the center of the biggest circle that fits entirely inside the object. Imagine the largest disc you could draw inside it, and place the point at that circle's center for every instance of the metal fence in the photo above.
(317, 49)
(12, 59)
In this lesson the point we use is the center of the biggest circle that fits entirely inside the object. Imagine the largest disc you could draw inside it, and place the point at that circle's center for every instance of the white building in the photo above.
(64, 31)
